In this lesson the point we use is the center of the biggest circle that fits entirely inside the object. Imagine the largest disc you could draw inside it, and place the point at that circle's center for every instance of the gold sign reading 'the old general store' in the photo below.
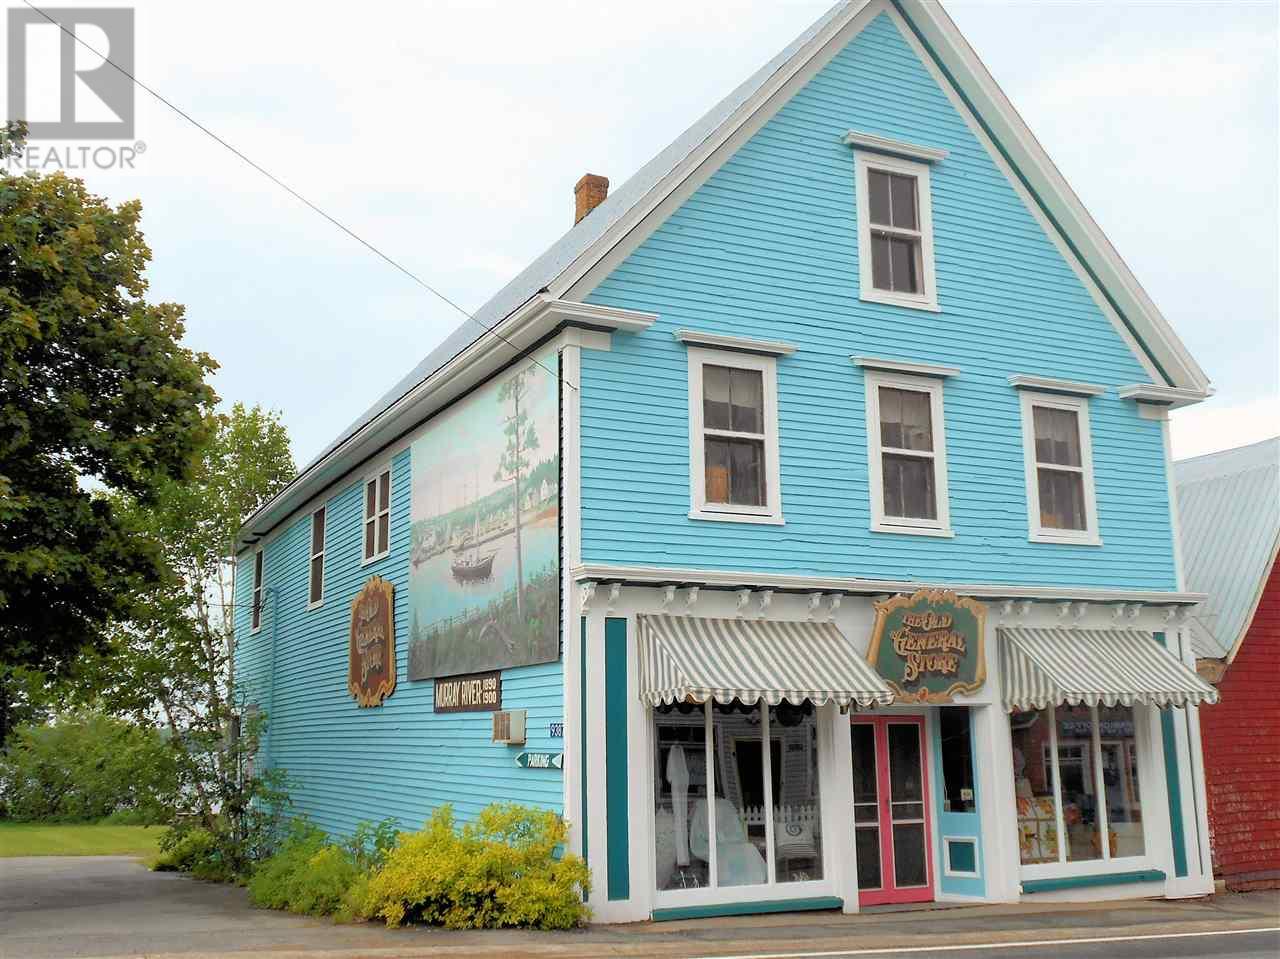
(371, 667)
(928, 646)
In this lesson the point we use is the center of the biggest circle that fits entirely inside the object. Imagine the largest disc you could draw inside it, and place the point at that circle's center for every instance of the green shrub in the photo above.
(85, 766)
(504, 869)
(311, 875)
(193, 850)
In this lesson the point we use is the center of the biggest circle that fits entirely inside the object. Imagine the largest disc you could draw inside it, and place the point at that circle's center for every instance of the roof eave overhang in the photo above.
(523, 330)
(1170, 397)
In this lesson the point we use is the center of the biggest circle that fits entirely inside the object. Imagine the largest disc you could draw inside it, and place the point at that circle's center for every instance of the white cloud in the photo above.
(1210, 427)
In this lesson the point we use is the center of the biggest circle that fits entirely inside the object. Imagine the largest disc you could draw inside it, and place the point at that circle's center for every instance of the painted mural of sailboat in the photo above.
(470, 565)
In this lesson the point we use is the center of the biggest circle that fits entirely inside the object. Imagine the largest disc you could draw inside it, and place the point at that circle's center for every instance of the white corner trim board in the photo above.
(742, 344)
(1046, 384)
(904, 366)
(878, 144)
(1171, 397)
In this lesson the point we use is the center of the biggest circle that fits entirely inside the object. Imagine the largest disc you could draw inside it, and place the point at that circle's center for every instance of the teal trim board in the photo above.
(1173, 783)
(1084, 882)
(748, 908)
(617, 828)
(582, 733)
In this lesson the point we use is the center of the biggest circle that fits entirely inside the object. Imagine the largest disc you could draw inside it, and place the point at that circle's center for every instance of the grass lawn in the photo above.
(38, 839)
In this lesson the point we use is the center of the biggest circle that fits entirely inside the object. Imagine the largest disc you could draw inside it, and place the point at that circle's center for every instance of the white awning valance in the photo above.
(1048, 666)
(701, 658)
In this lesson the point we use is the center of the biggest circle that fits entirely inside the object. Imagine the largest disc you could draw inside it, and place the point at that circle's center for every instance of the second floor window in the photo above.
(734, 436)
(906, 454)
(895, 231)
(1060, 495)
(316, 592)
(377, 515)
(255, 613)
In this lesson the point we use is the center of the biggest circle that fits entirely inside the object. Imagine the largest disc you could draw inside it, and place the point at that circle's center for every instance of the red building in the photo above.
(1229, 509)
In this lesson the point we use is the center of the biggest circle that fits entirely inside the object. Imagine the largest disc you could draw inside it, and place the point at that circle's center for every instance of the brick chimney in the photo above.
(588, 194)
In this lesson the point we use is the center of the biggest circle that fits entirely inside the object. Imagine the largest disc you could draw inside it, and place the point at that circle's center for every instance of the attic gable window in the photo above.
(895, 231)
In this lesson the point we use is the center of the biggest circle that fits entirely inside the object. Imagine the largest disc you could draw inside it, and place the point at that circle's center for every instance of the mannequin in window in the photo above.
(738, 861)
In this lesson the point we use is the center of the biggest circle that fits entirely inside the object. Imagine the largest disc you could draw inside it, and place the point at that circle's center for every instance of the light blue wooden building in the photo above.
(802, 533)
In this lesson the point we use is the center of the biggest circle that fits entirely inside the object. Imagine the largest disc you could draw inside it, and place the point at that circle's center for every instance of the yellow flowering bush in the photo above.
(507, 868)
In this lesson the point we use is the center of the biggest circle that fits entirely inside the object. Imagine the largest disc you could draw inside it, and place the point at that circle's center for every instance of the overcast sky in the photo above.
(450, 135)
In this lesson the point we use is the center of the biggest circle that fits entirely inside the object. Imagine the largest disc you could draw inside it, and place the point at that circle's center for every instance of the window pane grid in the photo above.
(907, 454)
(733, 412)
(377, 515)
(316, 591)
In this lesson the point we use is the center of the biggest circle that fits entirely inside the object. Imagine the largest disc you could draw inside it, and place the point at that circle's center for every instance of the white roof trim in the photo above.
(904, 366)
(1170, 396)
(742, 344)
(532, 323)
(754, 579)
(1029, 157)
(1023, 381)
(878, 144)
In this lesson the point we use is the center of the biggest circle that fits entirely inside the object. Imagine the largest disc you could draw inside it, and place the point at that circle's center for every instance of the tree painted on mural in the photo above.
(522, 439)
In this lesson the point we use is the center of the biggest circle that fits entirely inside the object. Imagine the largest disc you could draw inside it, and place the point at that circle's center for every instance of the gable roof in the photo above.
(564, 264)
(543, 271)
(1229, 521)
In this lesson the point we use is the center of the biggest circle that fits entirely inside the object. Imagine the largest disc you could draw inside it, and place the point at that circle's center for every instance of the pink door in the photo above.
(890, 810)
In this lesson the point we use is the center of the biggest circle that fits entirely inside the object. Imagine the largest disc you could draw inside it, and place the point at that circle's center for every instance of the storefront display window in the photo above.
(745, 775)
(1075, 774)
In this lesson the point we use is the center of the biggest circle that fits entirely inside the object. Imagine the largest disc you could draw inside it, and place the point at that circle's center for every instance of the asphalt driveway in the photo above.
(109, 906)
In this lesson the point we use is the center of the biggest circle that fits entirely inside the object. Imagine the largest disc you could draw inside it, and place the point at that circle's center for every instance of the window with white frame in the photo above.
(377, 515)
(255, 609)
(733, 430)
(736, 800)
(895, 231)
(1075, 772)
(1058, 457)
(316, 591)
(907, 458)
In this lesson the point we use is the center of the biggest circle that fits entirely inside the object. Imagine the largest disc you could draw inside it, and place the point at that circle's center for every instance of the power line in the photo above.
(492, 330)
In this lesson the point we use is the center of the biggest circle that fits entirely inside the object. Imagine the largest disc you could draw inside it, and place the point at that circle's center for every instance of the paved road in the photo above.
(75, 908)
(1244, 945)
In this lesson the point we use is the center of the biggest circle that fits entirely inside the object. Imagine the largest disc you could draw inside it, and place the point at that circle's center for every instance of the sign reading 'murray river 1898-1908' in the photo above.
(928, 646)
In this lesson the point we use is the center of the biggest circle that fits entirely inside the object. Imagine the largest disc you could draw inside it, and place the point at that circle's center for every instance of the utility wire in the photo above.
(492, 330)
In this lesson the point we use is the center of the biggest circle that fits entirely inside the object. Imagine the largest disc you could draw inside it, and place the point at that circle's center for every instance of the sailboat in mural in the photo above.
(469, 565)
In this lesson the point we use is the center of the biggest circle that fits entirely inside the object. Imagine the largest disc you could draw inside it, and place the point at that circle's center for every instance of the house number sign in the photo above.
(928, 646)
(371, 652)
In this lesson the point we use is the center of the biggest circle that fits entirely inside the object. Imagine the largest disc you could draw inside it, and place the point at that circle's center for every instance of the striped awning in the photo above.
(699, 658)
(1043, 667)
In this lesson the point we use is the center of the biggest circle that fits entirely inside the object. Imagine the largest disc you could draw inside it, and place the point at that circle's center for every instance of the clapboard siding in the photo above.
(402, 760)
(767, 248)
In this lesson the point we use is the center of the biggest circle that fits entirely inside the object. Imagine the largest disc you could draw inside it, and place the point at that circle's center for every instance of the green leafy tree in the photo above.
(173, 660)
(100, 407)
(87, 766)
